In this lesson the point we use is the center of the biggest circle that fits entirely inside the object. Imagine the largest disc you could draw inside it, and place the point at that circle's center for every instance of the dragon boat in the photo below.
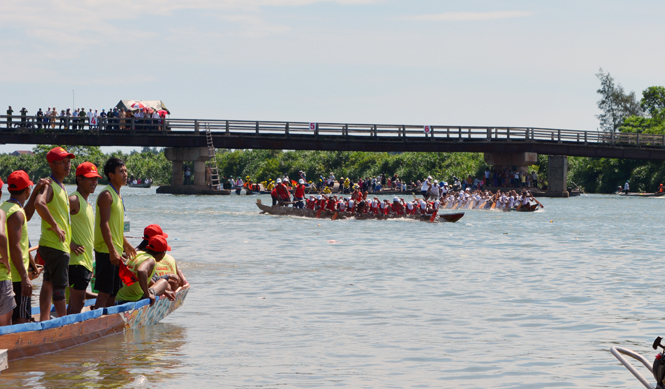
(35, 338)
(334, 215)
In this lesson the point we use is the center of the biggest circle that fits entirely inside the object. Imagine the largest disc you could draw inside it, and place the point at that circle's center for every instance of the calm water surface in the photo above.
(497, 300)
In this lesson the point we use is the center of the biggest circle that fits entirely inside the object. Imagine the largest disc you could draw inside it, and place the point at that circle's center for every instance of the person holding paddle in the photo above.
(299, 195)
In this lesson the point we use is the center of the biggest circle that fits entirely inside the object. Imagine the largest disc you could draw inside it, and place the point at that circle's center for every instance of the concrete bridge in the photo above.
(503, 146)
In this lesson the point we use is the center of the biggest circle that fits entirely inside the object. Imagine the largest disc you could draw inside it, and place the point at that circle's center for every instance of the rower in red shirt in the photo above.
(282, 191)
(299, 195)
(397, 207)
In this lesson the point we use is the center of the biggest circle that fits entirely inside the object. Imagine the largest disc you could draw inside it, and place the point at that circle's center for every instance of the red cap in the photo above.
(87, 169)
(18, 180)
(158, 244)
(153, 230)
(58, 154)
(2, 183)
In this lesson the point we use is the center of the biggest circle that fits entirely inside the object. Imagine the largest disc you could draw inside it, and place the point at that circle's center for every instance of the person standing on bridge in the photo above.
(10, 111)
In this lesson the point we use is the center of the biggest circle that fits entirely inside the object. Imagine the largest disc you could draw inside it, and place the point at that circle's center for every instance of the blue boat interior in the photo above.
(71, 319)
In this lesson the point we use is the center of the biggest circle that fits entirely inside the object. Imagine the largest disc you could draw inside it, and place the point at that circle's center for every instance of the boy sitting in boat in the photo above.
(137, 273)
(167, 267)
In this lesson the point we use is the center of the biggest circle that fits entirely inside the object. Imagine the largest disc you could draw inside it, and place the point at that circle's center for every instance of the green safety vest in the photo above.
(59, 209)
(134, 292)
(116, 224)
(11, 208)
(83, 233)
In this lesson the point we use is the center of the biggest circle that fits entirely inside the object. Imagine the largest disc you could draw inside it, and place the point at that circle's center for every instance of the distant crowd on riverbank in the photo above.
(498, 178)
(79, 119)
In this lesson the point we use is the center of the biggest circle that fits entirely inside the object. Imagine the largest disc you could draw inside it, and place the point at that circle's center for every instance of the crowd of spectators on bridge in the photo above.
(78, 119)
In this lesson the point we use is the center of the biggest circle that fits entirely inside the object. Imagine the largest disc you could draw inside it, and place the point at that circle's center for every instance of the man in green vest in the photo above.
(17, 237)
(110, 241)
(138, 282)
(167, 267)
(7, 302)
(83, 235)
(52, 204)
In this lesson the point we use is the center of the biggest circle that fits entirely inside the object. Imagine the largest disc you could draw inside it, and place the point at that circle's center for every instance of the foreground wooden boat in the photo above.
(324, 214)
(30, 339)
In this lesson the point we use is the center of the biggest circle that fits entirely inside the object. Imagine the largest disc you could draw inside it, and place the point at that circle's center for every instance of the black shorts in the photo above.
(56, 266)
(79, 277)
(107, 279)
(23, 308)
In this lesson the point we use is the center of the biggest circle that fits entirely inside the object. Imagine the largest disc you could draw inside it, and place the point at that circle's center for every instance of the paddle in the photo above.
(537, 202)
(433, 218)
(334, 216)
(470, 204)
(456, 205)
(318, 213)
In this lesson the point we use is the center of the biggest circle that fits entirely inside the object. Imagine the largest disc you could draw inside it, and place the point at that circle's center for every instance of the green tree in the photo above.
(615, 104)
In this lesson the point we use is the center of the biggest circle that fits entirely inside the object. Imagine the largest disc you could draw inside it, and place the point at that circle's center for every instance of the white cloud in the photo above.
(468, 16)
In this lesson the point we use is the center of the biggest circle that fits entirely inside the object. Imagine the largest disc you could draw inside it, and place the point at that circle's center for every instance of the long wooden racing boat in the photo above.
(140, 185)
(325, 214)
(657, 194)
(30, 339)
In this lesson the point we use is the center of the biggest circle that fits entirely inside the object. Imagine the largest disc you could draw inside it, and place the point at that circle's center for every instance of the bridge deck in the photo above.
(237, 134)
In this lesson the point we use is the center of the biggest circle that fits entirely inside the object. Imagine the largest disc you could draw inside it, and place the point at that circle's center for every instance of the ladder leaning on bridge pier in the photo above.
(212, 162)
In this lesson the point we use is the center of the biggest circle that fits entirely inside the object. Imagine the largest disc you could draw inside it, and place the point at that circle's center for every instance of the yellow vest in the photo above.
(116, 224)
(83, 233)
(166, 266)
(134, 291)
(10, 208)
(59, 209)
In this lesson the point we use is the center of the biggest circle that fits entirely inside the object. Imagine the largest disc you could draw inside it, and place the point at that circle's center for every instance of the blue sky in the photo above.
(517, 63)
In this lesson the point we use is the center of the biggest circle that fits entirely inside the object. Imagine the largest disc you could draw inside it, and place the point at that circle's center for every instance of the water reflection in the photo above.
(112, 362)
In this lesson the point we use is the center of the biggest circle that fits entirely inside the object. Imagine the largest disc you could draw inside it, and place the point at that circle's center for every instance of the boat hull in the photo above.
(642, 194)
(110, 321)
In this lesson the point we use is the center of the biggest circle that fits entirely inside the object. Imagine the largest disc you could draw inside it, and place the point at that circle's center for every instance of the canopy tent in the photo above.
(133, 105)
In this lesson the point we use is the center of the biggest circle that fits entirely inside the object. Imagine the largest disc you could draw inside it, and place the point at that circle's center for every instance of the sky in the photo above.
(484, 63)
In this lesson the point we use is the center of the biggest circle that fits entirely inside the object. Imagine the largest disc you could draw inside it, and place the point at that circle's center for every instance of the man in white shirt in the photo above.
(425, 187)
(434, 190)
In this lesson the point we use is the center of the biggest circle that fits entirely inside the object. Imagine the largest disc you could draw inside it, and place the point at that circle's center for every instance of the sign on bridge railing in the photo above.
(312, 126)
(427, 129)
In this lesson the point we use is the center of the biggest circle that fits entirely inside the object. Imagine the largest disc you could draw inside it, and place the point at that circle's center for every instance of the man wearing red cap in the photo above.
(83, 236)
(7, 302)
(167, 267)
(142, 268)
(110, 241)
(17, 236)
(52, 204)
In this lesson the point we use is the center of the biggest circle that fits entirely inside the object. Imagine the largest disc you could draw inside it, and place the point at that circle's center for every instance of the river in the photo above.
(496, 300)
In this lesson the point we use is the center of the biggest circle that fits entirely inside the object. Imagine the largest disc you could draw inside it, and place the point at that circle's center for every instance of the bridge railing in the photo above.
(348, 131)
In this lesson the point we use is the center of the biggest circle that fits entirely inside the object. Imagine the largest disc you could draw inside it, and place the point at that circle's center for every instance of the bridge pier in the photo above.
(557, 176)
(199, 156)
(519, 161)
